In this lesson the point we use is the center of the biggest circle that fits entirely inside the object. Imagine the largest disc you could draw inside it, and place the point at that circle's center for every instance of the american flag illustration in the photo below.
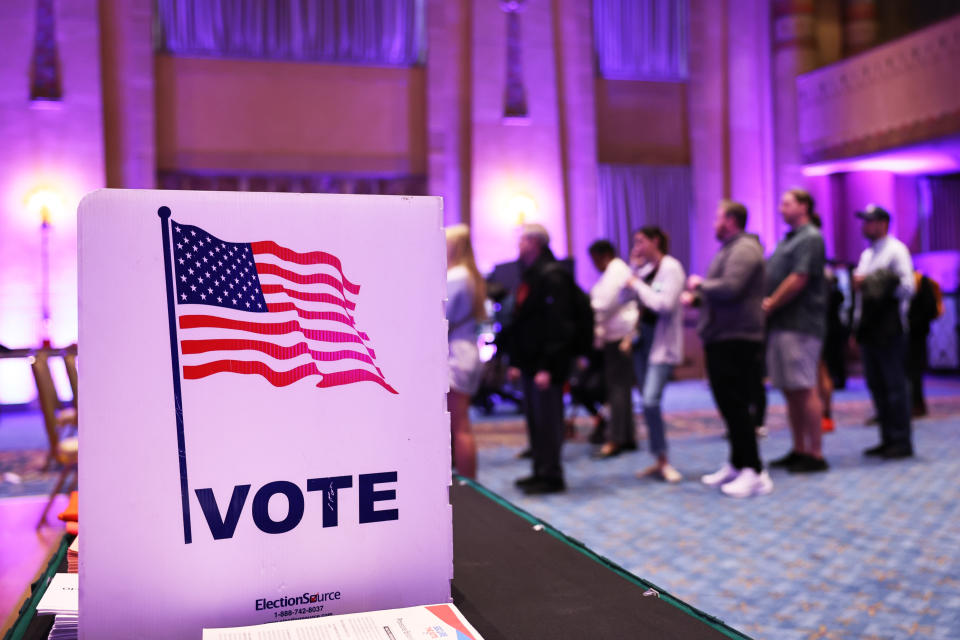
(260, 308)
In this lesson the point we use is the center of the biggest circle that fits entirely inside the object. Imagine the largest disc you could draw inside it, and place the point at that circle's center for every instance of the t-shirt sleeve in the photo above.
(809, 256)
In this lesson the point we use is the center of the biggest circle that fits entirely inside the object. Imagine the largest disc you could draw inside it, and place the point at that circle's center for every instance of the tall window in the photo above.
(939, 213)
(641, 39)
(370, 32)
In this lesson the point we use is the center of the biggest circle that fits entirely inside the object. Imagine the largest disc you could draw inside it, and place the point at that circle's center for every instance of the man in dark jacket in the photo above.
(731, 327)
(540, 345)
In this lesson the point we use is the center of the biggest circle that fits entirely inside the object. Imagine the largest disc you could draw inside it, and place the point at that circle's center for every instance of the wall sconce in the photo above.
(521, 208)
(45, 204)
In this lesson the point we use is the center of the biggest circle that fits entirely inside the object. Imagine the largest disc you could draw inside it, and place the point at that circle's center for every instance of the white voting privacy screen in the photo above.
(264, 433)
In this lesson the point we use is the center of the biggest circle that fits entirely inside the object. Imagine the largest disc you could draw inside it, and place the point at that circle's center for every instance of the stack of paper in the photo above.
(73, 556)
(429, 621)
(63, 600)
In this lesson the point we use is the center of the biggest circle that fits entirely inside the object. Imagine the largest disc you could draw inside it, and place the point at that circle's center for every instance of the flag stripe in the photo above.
(349, 377)
(310, 258)
(189, 347)
(276, 378)
(271, 329)
(316, 315)
(267, 268)
(306, 296)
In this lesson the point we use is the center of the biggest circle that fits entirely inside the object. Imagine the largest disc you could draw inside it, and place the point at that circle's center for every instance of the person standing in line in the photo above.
(658, 284)
(615, 321)
(540, 343)
(466, 299)
(926, 306)
(884, 280)
(796, 308)
(732, 327)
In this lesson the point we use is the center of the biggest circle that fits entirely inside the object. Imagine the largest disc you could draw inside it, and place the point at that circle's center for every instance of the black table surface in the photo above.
(518, 578)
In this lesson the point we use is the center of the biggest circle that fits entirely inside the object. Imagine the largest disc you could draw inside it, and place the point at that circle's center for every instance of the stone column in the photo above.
(860, 26)
(794, 52)
(448, 106)
(516, 170)
(129, 107)
(578, 129)
(708, 102)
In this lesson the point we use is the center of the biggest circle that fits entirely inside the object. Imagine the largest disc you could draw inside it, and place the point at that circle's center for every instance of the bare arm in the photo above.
(787, 291)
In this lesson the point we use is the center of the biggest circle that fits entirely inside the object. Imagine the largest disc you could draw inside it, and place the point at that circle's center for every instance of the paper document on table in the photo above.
(429, 621)
(62, 596)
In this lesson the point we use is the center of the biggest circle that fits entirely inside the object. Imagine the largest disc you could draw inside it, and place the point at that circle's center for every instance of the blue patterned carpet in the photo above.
(868, 550)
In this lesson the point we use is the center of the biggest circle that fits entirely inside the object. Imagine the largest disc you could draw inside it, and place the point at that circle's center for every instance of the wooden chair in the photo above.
(63, 448)
(70, 362)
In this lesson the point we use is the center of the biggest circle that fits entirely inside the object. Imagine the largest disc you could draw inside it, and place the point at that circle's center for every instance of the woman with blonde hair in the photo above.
(466, 298)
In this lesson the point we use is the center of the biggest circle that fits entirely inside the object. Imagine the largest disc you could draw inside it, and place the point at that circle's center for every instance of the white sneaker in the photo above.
(670, 474)
(748, 483)
(717, 478)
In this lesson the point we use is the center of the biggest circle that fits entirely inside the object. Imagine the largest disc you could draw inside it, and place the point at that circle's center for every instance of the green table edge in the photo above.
(712, 621)
(28, 612)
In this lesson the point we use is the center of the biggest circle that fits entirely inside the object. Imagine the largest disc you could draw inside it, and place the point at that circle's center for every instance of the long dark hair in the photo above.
(658, 236)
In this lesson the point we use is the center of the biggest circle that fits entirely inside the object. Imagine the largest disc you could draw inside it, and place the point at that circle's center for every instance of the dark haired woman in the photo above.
(658, 283)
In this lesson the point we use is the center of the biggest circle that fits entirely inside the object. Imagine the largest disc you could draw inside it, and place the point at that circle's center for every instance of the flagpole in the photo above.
(164, 213)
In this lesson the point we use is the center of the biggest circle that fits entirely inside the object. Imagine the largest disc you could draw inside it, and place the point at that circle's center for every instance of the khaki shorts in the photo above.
(793, 359)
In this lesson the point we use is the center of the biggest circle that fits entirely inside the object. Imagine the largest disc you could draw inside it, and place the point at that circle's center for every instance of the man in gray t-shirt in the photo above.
(796, 307)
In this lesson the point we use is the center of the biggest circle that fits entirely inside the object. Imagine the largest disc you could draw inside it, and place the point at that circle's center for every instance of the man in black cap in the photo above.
(884, 280)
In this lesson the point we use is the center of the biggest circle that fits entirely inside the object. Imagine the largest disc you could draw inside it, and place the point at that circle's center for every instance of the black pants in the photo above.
(618, 370)
(916, 365)
(884, 367)
(544, 409)
(734, 368)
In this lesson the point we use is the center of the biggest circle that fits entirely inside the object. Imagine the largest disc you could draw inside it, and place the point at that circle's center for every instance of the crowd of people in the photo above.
(758, 318)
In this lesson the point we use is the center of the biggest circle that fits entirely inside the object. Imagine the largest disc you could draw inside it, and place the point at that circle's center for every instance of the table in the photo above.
(516, 577)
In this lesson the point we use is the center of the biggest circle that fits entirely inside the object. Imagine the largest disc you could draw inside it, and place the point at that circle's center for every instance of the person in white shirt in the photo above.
(658, 284)
(615, 321)
(885, 284)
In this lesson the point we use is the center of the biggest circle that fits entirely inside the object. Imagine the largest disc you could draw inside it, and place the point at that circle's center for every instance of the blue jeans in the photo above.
(651, 379)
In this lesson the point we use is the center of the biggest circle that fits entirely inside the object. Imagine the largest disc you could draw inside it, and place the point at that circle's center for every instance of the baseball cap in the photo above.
(874, 212)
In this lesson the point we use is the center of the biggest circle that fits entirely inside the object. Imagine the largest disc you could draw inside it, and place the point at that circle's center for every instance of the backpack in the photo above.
(583, 317)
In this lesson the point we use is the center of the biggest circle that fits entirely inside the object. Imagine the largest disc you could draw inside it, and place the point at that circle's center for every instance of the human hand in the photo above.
(687, 299)
(767, 305)
(542, 380)
(694, 281)
(858, 281)
(513, 374)
(626, 344)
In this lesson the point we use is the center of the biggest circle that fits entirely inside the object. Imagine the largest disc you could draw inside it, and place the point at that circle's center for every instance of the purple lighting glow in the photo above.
(939, 156)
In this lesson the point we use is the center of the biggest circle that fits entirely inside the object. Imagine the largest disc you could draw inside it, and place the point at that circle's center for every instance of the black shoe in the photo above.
(786, 460)
(808, 464)
(527, 481)
(630, 446)
(526, 453)
(897, 452)
(545, 485)
(599, 433)
(876, 452)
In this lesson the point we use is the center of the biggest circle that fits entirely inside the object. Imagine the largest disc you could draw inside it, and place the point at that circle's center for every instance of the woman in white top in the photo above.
(658, 284)
(466, 296)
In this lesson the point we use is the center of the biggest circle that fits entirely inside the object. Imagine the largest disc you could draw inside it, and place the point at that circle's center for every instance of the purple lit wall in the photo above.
(53, 155)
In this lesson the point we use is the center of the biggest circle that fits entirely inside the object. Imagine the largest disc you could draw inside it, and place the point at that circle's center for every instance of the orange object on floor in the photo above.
(827, 425)
(70, 513)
